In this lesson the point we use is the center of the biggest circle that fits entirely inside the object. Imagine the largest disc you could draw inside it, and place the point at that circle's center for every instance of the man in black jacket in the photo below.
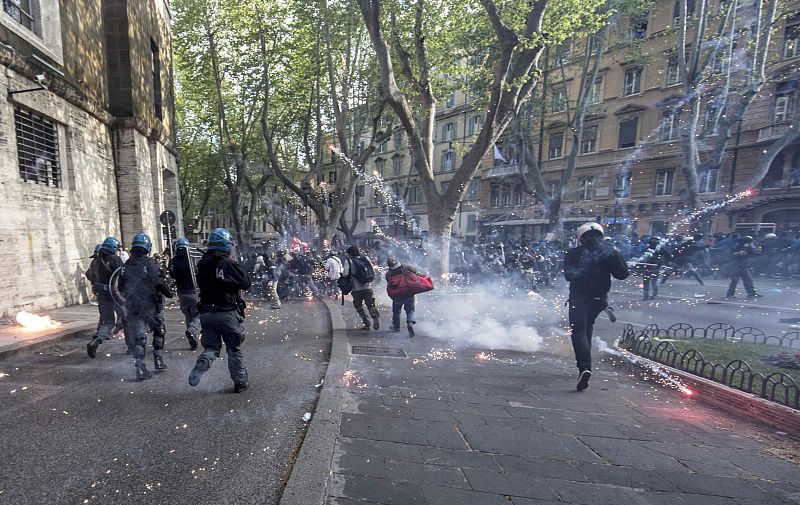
(181, 269)
(742, 252)
(144, 288)
(221, 279)
(588, 268)
(104, 264)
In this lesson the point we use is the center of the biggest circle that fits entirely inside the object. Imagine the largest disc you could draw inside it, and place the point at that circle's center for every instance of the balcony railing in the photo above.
(503, 171)
(773, 131)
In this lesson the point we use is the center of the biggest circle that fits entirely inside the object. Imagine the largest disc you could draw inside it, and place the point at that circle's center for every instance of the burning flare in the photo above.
(32, 322)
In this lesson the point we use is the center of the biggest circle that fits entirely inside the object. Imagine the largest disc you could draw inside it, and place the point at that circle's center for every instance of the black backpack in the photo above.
(361, 269)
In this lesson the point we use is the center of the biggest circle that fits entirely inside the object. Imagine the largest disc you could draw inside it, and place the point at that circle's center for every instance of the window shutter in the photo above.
(627, 132)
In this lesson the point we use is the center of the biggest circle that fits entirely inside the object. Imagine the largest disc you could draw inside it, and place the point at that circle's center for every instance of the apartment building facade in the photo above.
(628, 174)
(86, 139)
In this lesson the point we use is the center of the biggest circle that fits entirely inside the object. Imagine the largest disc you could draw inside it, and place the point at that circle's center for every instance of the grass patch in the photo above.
(723, 352)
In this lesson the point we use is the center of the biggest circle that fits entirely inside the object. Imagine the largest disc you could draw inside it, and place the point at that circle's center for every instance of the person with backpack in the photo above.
(104, 263)
(401, 302)
(359, 270)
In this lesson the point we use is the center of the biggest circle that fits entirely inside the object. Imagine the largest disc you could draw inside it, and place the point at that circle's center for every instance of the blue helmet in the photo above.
(109, 245)
(220, 240)
(182, 242)
(97, 248)
(143, 241)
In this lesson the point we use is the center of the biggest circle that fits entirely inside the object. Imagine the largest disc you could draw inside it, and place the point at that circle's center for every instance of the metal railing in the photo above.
(777, 387)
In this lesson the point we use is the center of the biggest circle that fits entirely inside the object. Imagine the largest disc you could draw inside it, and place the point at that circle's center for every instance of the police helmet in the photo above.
(770, 236)
(109, 245)
(747, 239)
(182, 242)
(587, 227)
(142, 241)
(97, 248)
(220, 240)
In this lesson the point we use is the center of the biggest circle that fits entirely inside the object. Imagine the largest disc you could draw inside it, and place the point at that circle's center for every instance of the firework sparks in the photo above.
(353, 378)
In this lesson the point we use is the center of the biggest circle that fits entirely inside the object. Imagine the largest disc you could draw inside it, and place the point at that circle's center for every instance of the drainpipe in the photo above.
(115, 141)
(735, 155)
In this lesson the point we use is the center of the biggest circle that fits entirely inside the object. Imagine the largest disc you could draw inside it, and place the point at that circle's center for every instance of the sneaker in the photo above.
(238, 388)
(611, 316)
(199, 369)
(754, 295)
(375, 324)
(583, 380)
(192, 339)
(410, 330)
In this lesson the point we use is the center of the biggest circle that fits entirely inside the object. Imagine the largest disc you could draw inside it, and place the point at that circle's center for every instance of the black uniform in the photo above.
(589, 271)
(181, 270)
(220, 279)
(740, 269)
(99, 274)
(144, 288)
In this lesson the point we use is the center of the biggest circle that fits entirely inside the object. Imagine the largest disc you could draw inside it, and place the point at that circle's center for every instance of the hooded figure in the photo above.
(589, 268)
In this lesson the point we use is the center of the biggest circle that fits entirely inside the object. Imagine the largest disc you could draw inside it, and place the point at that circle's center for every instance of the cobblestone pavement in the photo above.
(474, 427)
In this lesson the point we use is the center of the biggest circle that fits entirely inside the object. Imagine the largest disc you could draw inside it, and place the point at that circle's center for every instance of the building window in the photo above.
(672, 71)
(473, 189)
(37, 148)
(475, 124)
(559, 103)
(448, 132)
(21, 11)
(676, 11)
(360, 191)
(551, 187)
(708, 181)
(382, 147)
(633, 81)
(627, 132)
(494, 196)
(471, 223)
(445, 185)
(518, 198)
(670, 121)
(664, 182)
(774, 177)
(564, 52)
(506, 196)
(637, 29)
(380, 165)
(710, 118)
(398, 140)
(362, 214)
(332, 176)
(594, 45)
(448, 161)
(784, 105)
(415, 194)
(397, 165)
(622, 185)
(156, 69)
(596, 91)
(658, 228)
(589, 140)
(790, 38)
(556, 145)
(794, 175)
(451, 100)
(584, 189)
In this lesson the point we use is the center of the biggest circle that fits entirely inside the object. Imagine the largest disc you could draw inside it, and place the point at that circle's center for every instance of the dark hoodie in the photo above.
(589, 270)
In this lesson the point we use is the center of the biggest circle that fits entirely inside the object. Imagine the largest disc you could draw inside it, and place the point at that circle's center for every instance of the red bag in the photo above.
(407, 284)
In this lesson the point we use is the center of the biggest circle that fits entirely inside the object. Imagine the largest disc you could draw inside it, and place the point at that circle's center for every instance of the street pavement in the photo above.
(77, 430)
(457, 424)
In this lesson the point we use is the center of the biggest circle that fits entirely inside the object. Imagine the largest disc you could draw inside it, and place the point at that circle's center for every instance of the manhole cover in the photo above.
(391, 352)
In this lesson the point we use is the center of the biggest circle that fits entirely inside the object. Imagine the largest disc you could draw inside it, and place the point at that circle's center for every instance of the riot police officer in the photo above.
(144, 288)
(104, 264)
(742, 253)
(221, 280)
(182, 270)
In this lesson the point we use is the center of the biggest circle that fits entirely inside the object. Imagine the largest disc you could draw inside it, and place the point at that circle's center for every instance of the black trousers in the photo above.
(582, 313)
(741, 272)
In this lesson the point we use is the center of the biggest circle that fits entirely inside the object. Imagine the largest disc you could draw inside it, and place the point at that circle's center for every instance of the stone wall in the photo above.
(50, 232)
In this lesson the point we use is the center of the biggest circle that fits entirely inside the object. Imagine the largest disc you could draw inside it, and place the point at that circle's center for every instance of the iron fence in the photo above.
(776, 387)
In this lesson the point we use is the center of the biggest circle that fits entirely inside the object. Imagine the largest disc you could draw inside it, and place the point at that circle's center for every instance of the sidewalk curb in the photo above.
(85, 331)
(731, 400)
(308, 482)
